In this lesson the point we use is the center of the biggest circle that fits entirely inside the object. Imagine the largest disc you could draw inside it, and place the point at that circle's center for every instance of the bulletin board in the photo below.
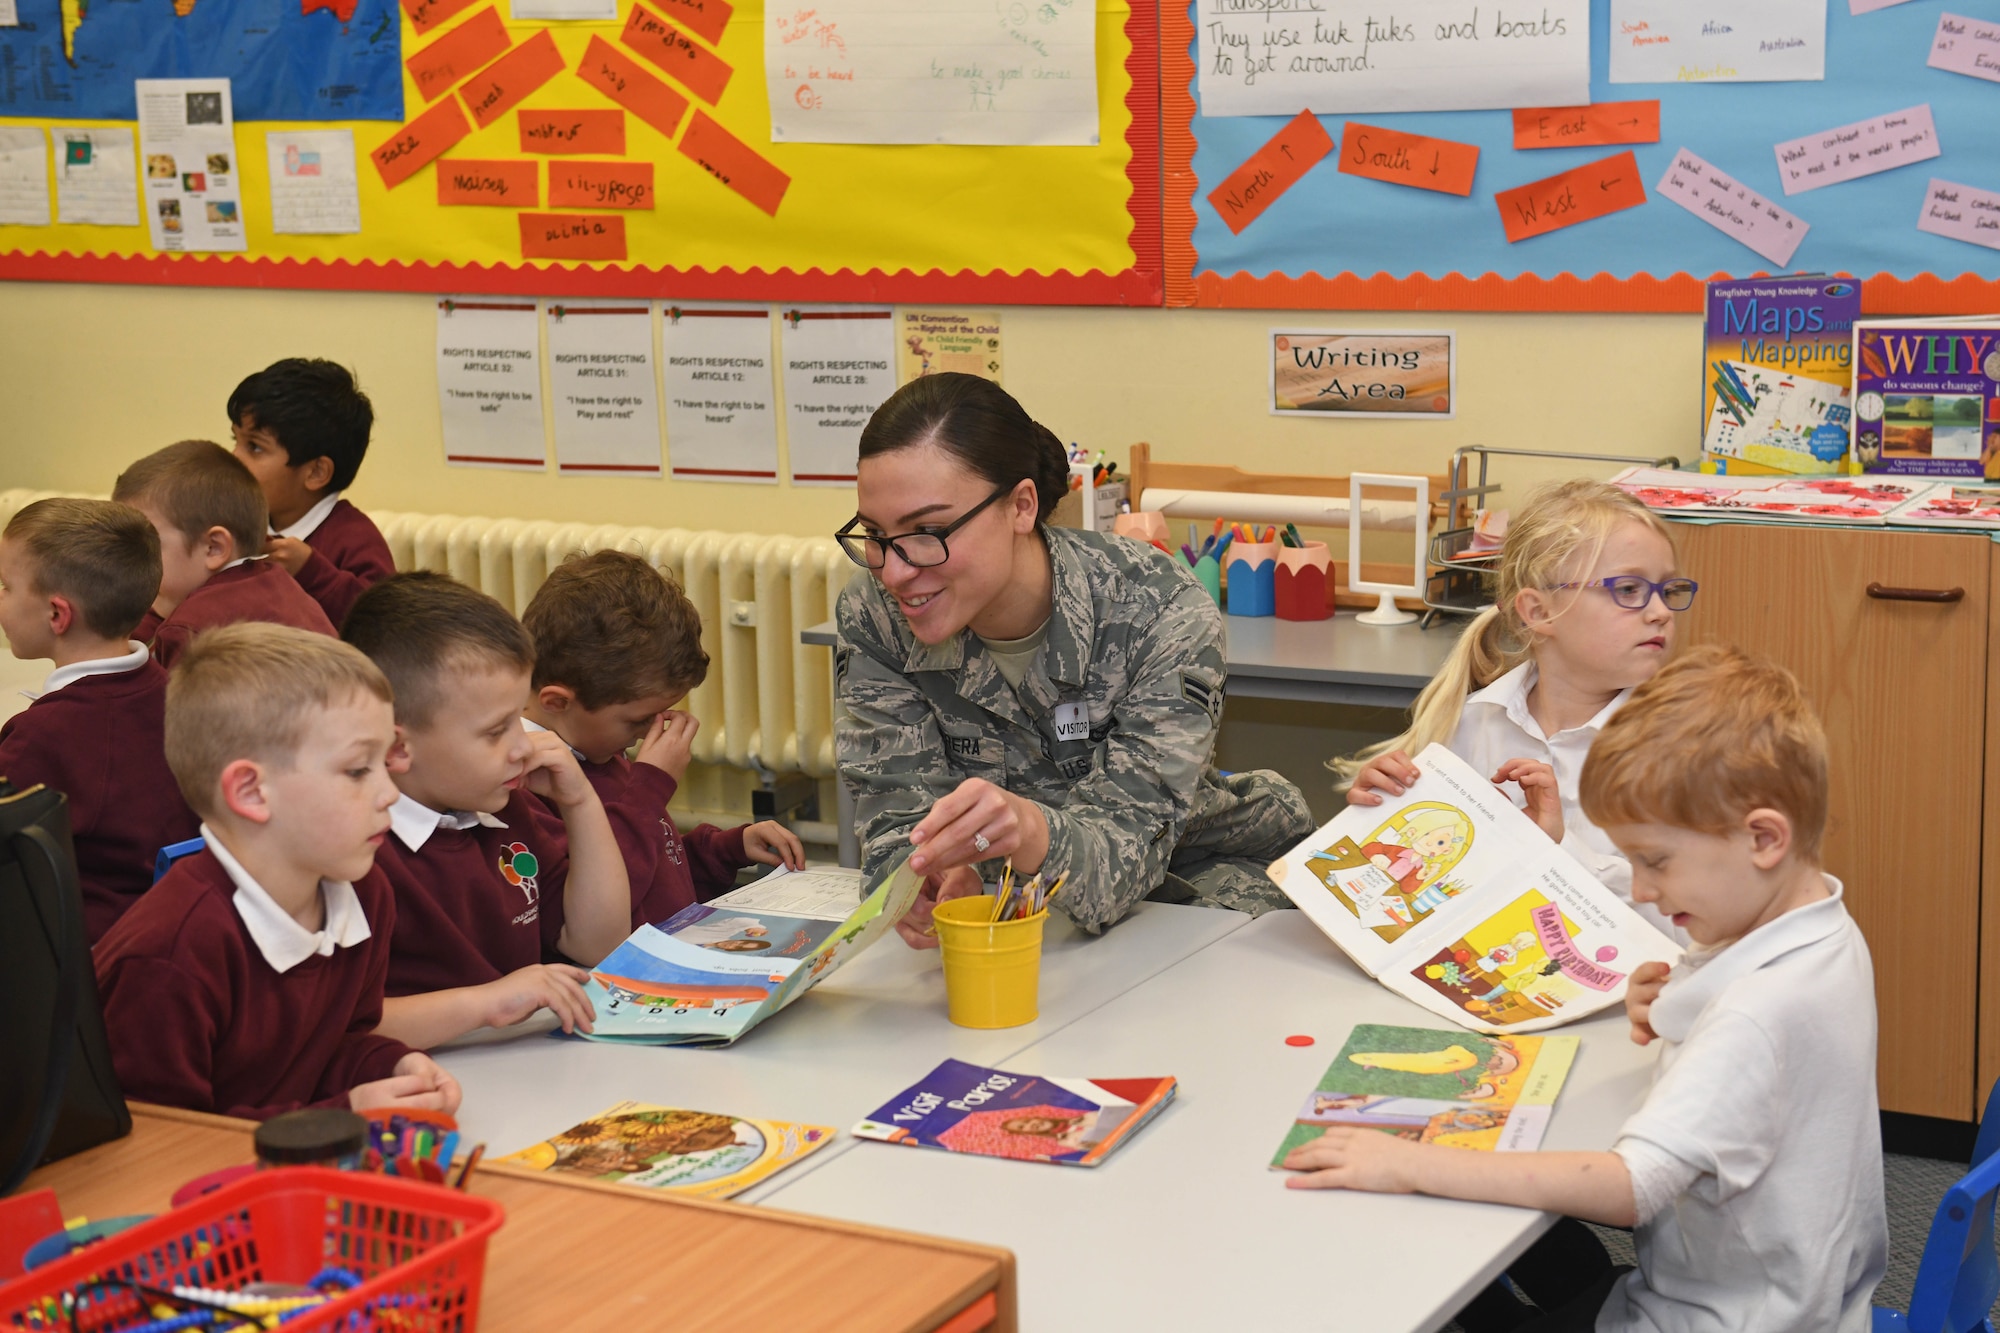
(1338, 241)
(1012, 224)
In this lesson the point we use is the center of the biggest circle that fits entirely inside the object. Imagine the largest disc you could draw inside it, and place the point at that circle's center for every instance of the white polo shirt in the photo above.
(278, 936)
(1764, 1100)
(1496, 726)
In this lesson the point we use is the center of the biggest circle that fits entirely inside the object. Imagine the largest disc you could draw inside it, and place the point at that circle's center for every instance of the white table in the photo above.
(853, 1042)
(1186, 1227)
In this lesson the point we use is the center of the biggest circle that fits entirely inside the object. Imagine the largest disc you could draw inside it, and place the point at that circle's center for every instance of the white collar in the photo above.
(239, 560)
(102, 666)
(414, 822)
(309, 521)
(1510, 695)
(531, 726)
(278, 935)
(1699, 981)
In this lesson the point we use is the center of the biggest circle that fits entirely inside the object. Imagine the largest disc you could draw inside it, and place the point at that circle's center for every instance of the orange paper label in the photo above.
(731, 161)
(1443, 165)
(1270, 171)
(1574, 196)
(1585, 126)
(415, 144)
(661, 43)
(556, 132)
(706, 19)
(459, 53)
(501, 85)
(509, 184)
(572, 236)
(600, 185)
(619, 78)
(427, 14)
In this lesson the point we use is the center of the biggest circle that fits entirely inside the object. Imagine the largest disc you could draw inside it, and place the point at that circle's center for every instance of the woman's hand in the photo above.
(915, 927)
(1392, 773)
(1010, 826)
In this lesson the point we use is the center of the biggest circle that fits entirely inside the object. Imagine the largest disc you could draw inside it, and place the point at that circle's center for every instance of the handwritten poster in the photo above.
(1961, 212)
(933, 71)
(1967, 46)
(1372, 374)
(24, 176)
(489, 369)
(1415, 160)
(1717, 41)
(607, 414)
(1569, 197)
(839, 364)
(187, 133)
(1583, 126)
(314, 190)
(1270, 171)
(96, 177)
(722, 399)
(1848, 152)
(1734, 209)
(1342, 56)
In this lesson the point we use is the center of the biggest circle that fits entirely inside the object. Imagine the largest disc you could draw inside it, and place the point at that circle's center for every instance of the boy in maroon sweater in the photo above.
(492, 890)
(75, 577)
(248, 981)
(302, 428)
(617, 645)
(211, 519)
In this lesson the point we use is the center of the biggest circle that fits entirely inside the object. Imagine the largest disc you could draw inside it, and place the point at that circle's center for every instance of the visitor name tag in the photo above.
(1072, 722)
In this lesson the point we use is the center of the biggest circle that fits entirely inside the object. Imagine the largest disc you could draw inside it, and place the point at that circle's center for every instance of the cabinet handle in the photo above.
(1886, 594)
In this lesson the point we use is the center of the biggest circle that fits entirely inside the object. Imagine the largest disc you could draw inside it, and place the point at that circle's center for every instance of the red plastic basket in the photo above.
(419, 1250)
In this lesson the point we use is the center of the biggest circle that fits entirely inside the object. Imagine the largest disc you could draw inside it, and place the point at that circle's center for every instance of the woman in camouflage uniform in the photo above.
(1015, 690)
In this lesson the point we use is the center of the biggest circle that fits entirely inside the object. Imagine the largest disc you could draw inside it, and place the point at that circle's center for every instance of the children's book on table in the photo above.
(698, 1153)
(1843, 501)
(1454, 899)
(968, 1108)
(1489, 1093)
(714, 970)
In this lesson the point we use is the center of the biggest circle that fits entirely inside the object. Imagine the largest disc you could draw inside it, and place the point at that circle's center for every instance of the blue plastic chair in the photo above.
(1958, 1278)
(173, 852)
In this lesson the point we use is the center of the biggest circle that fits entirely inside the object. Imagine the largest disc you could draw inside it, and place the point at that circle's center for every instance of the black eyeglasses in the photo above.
(1633, 593)
(919, 550)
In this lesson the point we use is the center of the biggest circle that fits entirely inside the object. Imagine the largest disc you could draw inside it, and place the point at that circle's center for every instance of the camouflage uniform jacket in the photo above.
(1134, 641)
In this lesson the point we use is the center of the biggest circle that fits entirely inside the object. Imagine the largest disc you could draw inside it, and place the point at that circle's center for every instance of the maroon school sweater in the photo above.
(254, 590)
(668, 869)
(98, 741)
(199, 1020)
(348, 558)
(461, 919)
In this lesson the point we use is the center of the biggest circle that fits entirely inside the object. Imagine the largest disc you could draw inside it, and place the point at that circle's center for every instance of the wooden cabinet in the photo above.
(1902, 688)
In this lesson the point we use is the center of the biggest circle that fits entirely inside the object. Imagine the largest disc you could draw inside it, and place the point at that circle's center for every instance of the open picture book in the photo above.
(1451, 897)
(714, 970)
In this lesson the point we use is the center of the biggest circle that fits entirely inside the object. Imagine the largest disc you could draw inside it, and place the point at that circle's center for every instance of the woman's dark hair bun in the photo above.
(978, 423)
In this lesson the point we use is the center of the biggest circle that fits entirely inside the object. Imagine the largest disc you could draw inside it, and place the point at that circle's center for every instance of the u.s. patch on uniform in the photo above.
(1201, 694)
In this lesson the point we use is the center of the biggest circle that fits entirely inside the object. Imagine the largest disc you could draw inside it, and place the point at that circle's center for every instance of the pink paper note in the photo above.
(1962, 213)
(1870, 6)
(1732, 208)
(1851, 151)
(1966, 46)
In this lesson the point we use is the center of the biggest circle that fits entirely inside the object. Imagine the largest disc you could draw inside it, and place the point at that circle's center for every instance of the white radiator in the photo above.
(768, 700)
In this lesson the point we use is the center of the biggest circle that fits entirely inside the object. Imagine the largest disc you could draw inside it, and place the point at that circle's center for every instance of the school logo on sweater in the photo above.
(519, 867)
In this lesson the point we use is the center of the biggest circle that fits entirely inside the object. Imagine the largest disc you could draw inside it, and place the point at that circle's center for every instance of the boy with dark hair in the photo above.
(491, 888)
(301, 427)
(617, 645)
(248, 981)
(76, 577)
(210, 516)
(1753, 1171)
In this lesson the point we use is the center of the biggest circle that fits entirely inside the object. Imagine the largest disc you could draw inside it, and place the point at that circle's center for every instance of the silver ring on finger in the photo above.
(979, 843)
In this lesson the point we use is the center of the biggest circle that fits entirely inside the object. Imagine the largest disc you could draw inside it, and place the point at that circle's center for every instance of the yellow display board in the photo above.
(889, 222)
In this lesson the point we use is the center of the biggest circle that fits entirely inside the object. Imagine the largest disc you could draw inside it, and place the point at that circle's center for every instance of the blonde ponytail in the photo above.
(1555, 538)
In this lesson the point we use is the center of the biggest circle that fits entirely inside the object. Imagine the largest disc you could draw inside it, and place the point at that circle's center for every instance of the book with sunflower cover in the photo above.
(967, 1108)
(699, 1153)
